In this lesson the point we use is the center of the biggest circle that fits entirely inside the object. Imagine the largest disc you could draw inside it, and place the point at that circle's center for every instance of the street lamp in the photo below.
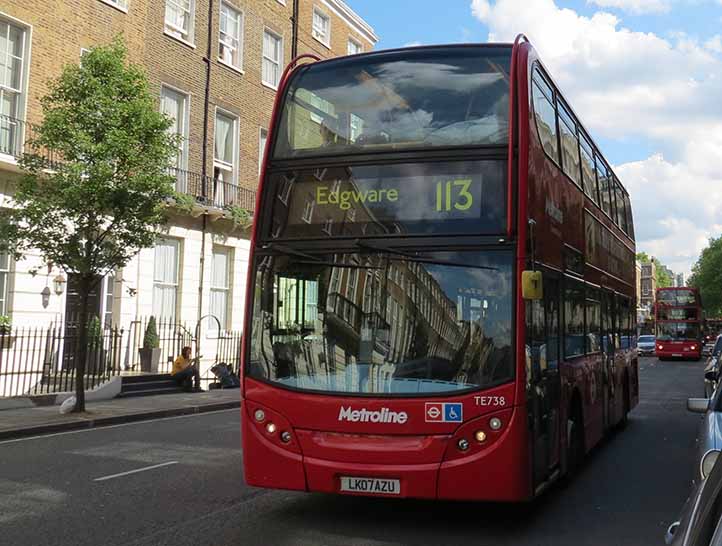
(59, 284)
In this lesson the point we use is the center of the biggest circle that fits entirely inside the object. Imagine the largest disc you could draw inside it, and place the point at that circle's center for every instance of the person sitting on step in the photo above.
(185, 369)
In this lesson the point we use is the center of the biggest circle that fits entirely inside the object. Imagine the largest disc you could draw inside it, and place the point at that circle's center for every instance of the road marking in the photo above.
(102, 479)
(106, 427)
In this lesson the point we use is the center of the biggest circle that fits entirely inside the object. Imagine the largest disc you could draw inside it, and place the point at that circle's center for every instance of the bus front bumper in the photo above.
(499, 472)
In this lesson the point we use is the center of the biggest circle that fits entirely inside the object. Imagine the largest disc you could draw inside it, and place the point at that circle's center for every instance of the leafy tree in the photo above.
(707, 276)
(102, 199)
(663, 278)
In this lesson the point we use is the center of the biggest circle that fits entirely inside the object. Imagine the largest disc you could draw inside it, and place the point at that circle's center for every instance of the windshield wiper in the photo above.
(415, 257)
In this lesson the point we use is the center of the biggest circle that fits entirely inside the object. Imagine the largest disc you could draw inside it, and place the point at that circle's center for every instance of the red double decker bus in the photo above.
(678, 313)
(441, 290)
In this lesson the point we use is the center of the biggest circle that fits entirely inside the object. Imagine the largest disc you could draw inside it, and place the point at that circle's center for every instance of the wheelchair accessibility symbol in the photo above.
(443, 412)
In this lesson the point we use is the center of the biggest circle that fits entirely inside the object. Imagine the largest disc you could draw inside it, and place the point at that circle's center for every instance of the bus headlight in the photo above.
(270, 428)
(259, 415)
(708, 461)
(480, 436)
(659, 347)
(495, 423)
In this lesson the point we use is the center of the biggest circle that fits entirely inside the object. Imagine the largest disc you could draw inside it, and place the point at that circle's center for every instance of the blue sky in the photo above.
(645, 77)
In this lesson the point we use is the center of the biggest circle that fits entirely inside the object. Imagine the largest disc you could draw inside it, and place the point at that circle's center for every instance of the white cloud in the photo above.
(633, 86)
(714, 43)
(635, 7)
(412, 44)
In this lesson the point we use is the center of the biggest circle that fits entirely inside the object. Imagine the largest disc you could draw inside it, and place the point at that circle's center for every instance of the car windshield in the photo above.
(381, 323)
(646, 339)
(415, 98)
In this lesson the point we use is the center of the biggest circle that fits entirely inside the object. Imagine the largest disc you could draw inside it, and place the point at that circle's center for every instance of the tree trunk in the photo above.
(81, 347)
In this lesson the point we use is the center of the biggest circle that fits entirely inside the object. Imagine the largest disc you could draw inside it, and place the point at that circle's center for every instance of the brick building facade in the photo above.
(214, 66)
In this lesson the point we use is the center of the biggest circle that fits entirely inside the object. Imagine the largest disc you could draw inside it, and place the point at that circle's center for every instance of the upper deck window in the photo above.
(418, 98)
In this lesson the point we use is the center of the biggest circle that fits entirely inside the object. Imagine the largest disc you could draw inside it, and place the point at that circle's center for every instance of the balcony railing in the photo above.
(15, 134)
(12, 131)
(207, 191)
(213, 192)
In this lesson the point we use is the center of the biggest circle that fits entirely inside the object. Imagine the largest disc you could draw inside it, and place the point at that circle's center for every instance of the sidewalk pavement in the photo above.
(25, 422)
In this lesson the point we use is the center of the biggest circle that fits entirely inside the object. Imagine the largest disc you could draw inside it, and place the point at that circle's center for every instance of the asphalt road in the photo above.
(75, 489)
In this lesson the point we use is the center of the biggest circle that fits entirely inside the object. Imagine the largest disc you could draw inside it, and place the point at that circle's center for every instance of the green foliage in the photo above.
(183, 202)
(663, 278)
(102, 200)
(151, 339)
(5, 324)
(707, 276)
(241, 217)
(95, 333)
(103, 196)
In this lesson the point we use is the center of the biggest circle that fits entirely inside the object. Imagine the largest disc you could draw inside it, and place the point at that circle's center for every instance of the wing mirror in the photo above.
(671, 530)
(531, 285)
(711, 375)
(698, 405)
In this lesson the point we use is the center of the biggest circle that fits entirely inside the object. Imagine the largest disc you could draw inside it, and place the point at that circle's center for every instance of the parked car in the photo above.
(645, 345)
(712, 368)
(709, 438)
(700, 522)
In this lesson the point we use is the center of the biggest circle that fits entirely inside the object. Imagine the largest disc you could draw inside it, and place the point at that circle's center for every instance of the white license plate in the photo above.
(676, 354)
(373, 486)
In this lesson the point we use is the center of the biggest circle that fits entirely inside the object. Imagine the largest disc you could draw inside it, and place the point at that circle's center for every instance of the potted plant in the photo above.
(6, 339)
(150, 352)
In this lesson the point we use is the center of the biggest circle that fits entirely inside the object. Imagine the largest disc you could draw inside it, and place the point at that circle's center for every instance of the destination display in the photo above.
(411, 198)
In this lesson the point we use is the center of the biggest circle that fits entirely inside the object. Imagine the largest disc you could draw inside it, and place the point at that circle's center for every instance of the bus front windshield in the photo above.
(677, 331)
(363, 323)
(414, 98)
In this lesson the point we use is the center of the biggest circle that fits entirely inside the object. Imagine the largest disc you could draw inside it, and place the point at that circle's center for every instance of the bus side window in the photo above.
(545, 115)
(573, 319)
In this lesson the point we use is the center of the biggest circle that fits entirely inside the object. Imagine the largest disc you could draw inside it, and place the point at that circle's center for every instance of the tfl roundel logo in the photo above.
(443, 412)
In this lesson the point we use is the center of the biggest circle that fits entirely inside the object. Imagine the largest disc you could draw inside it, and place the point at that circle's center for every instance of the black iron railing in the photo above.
(39, 360)
(12, 136)
(15, 136)
(214, 192)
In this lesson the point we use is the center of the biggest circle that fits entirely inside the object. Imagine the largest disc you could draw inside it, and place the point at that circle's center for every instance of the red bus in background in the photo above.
(441, 289)
(678, 314)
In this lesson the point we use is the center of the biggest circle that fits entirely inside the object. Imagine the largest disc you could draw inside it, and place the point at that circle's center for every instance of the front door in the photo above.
(72, 314)
(543, 382)
(608, 353)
